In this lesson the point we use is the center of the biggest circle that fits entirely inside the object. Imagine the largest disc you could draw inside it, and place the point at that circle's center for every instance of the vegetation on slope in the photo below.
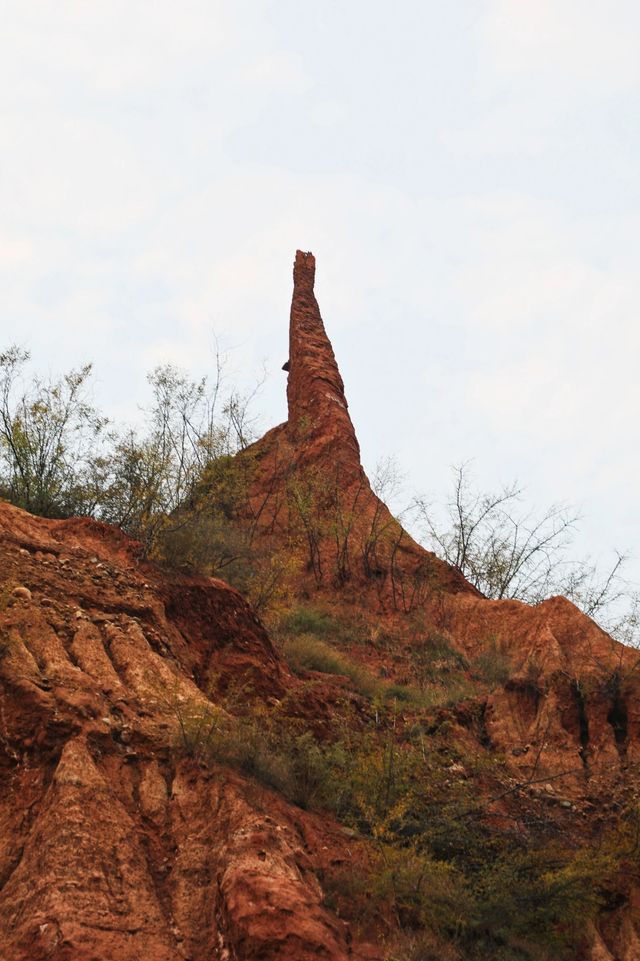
(454, 857)
(446, 862)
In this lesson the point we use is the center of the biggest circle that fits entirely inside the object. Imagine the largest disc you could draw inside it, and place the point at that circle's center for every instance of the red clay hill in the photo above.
(116, 843)
(586, 723)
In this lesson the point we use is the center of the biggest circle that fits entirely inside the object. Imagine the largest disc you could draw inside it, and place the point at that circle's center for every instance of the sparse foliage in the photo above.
(57, 458)
(180, 469)
(501, 549)
(49, 434)
(304, 492)
(508, 551)
(385, 484)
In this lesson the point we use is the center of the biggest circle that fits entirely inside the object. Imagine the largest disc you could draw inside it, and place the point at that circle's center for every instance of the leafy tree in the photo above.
(49, 434)
(176, 486)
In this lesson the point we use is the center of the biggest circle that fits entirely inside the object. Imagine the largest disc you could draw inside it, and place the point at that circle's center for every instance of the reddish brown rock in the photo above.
(313, 462)
(569, 704)
(114, 845)
(318, 420)
(562, 709)
(566, 719)
(111, 846)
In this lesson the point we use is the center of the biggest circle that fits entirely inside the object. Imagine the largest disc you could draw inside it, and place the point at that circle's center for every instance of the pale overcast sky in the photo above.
(467, 174)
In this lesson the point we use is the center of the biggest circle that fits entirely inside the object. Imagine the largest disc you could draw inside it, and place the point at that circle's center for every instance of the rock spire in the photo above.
(318, 410)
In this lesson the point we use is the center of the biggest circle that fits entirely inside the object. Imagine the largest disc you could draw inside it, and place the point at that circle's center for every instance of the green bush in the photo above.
(437, 864)
(402, 693)
(279, 755)
(440, 671)
(309, 620)
(434, 656)
(420, 946)
(205, 542)
(492, 665)
(200, 729)
(425, 893)
(305, 652)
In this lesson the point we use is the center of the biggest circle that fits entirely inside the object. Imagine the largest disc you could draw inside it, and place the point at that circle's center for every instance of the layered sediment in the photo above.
(117, 843)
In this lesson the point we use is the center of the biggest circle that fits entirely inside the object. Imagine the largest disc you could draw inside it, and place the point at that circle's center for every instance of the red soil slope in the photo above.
(111, 846)
(571, 702)
(116, 846)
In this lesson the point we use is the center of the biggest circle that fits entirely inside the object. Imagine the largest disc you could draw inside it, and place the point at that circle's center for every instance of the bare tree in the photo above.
(378, 537)
(507, 551)
(501, 549)
(305, 496)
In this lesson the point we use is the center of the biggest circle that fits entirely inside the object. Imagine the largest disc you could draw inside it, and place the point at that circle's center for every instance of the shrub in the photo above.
(402, 693)
(440, 670)
(270, 583)
(200, 725)
(49, 439)
(312, 620)
(437, 866)
(424, 893)
(420, 946)
(434, 657)
(304, 652)
(307, 653)
(308, 620)
(535, 904)
(493, 665)
(346, 888)
(206, 542)
(279, 755)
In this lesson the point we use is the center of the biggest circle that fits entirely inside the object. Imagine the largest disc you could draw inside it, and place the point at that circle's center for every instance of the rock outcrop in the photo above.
(113, 845)
(116, 843)
(312, 464)
(569, 704)
(566, 719)
(318, 422)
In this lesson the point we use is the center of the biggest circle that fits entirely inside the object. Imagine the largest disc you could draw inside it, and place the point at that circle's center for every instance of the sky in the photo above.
(466, 174)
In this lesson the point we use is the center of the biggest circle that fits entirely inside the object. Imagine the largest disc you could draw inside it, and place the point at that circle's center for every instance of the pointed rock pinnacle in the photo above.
(318, 411)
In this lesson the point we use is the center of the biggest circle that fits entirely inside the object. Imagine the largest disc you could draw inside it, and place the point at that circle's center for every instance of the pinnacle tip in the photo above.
(304, 269)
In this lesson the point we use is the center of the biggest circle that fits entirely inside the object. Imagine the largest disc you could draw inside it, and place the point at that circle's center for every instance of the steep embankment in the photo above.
(570, 701)
(564, 718)
(123, 836)
(113, 844)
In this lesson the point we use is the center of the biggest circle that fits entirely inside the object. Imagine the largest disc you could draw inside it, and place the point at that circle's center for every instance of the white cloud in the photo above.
(111, 47)
(591, 43)
(277, 72)
(14, 252)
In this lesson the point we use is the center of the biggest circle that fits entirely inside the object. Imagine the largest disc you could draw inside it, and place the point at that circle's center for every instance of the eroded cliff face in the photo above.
(112, 844)
(568, 709)
(308, 476)
(570, 701)
(116, 843)
(566, 719)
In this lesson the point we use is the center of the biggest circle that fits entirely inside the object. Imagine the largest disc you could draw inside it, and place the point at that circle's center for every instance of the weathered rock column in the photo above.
(318, 410)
